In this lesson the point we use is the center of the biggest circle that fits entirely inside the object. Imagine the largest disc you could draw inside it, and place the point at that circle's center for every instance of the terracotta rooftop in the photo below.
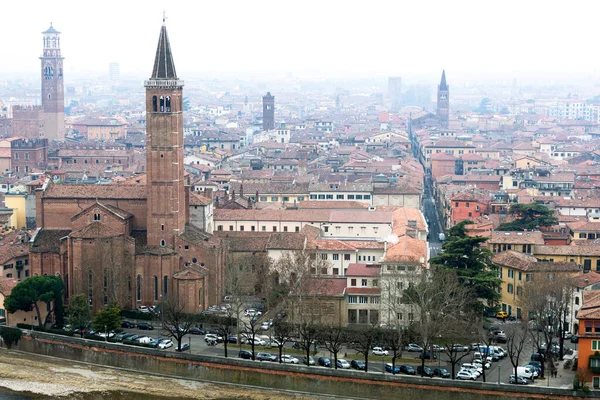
(363, 270)
(587, 279)
(590, 306)
(100, 192)
(500, 237)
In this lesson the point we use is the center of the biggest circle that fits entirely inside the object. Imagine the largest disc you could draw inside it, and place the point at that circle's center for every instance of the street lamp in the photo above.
(105, 334)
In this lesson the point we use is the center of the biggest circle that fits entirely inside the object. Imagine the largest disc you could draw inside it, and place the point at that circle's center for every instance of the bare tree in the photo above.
(361, 339)
(438, 303)
(308, 333)
(460, 327)
(393, 339)
(546, 299)
(486, 340)
(516, 336)
(282, 333)
(250, 330)
(333, 336)
(176, 323)
(225, 325)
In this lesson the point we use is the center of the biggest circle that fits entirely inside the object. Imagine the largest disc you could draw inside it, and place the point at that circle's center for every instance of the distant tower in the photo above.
(394, 87)
(166, 203)
(53, 97)
(114, 72)
(443, 101)
(337, 101)
(268, 112)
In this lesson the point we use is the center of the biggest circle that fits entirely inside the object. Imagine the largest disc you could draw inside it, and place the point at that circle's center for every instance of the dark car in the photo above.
(538, 357)
(358, 364)
(574, 339)
(196, 331)
(266, 357)
(232, 339)
(441, 372)
(408, 370)
(120, 336)
(395, 369)
(425, 370)
(145, 326)
(427, 355)
(324, 362)
(245, 354)
(184, 347)
(127, 325)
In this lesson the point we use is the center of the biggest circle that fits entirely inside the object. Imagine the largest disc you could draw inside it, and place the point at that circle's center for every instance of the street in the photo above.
(430, 212)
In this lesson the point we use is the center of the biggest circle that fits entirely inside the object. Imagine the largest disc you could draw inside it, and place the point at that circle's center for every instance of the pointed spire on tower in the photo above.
(164, 67)
(443, 85)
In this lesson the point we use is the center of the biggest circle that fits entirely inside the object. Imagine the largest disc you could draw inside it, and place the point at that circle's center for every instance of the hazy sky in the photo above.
(371, 37)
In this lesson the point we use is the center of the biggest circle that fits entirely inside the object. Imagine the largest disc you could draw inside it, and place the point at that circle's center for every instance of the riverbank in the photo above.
(37, 377)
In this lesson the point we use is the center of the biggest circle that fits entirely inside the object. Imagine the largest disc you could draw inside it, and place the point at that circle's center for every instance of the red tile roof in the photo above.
(363, 270)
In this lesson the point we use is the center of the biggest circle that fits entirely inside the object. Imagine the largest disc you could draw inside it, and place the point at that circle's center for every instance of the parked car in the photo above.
(143, 339)
(232, 339)
(427, 355)
(480, 364)
(196, 331)
(519, 380)
(425, 370)
(245, 354)
(342, 363)
(388, 368)
(266, 357)
(465, 375)
(143, 309)
(441, 372)
(437, 349)
(110, 334)
(287, 359)
(378, 351)
(127, 325)
(311, 361)
(184, 347)
(324, 362)
(459, 347)
(474, 369)
(130, 336)
(265, 326)
(257, 341)
(407, 369)
(165, 344)
(251, 312)
(501, 315)
(414, 347)
(538, 357)
(273, 343)
(574, 339)
(120, 336)
(145, 326)
(357, 364)
(212, 337)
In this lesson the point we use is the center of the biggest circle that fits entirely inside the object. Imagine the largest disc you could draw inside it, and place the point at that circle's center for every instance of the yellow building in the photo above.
(586, 255)
(526, 162)
(16, 202)
(517, 268)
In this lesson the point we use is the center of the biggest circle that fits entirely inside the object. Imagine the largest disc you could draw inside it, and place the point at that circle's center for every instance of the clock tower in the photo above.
(53, 97)
(443, 101)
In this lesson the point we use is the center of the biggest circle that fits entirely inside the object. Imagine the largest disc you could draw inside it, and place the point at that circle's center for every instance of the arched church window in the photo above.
(97, 217)
(67, 285)
(163, 243)
(139, 288)
(168, 103)
(155, 288)
(90, 286)
(165, 285)
(162, 104)
(154, 103)
(49, 97)
(53, 42)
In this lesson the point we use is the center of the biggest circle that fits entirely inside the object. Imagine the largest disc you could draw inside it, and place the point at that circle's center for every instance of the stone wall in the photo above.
(283, 377)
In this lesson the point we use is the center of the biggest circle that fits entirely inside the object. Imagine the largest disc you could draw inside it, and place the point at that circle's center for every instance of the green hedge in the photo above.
(48, 330)
(133, 314)
(10, 336)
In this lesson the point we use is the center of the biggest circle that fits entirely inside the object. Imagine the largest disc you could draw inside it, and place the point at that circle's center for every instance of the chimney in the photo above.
(242, 190)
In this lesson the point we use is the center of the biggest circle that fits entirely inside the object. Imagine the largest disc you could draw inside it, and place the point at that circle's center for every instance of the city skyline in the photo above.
(274, 38)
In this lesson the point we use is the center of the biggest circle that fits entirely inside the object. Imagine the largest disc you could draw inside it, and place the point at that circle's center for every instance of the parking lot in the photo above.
(499, 371)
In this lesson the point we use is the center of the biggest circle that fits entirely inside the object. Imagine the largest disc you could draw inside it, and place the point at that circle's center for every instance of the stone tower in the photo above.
(53, 97)
(268, 112)
(164, 148)
(395, 93)
(443, 101)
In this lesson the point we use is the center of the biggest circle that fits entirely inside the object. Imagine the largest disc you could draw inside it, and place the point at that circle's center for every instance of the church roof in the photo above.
(116, 211)
(95, 230)
(77, 191)
(48, 240)
(191, 272)
(443, 84)
(164, 67)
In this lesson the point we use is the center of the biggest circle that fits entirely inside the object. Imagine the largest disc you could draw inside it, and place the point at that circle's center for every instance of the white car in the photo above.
(257, 342)
(143, 309)
(273, 343)
(103, 334)
(478, 364)
(465, 375)
(265, 326)
(378, 351)
(212, 338)
(144, 340)
(287, 359)
(474, 369)
(165, 344)
(251, 312)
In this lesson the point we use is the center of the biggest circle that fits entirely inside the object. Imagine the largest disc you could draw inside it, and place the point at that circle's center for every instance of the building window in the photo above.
(363, 282)
(411, 316)
(139, 288)
(511, 273)
(274, 198)
(220, 227)
(375, 282)
(274, 229)
(336, 271)
(97, 217)
(165, 285)
(263, 198)
(375, 300)
(163, 243)
(346, 257)
(336, 257)
(155, 288)
(230, 227)
(324, 256)
(509, 288)
(241, 227)
(350, 197)
(339, 197)
(352, 300)
(595, 343)
(353, 282)
(264, 228)
(297, 229)
(519, 291)
(528, 277)
(363, 299)
(326, 229)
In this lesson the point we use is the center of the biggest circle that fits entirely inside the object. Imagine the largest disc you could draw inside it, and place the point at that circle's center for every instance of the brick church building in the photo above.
(138, 242)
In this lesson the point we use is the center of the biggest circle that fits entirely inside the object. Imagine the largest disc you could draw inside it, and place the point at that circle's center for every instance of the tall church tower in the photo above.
(443, 101)
(268, 112)
(53, 97)
(164, 148)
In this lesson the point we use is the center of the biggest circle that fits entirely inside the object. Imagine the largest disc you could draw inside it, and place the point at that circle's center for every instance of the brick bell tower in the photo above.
(443, 101)
(164, 148)
(53, 97)
(268, 112)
